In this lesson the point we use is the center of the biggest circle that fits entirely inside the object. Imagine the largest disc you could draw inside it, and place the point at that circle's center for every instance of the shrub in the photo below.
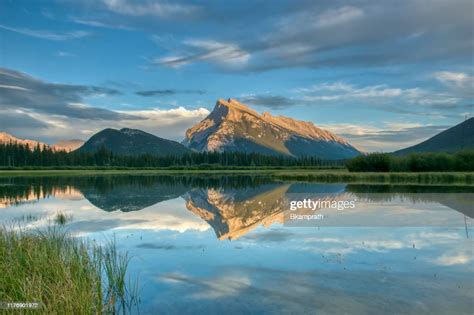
(374, 162)
(462, 161)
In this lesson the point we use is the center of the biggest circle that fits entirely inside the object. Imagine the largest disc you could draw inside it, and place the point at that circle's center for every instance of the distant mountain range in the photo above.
(8, 138)
(232, 126)
(451, 140)
(63, 145)
(68, 145)
(132, 142)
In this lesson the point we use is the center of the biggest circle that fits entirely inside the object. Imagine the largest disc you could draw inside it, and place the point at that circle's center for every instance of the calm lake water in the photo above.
(226, 244)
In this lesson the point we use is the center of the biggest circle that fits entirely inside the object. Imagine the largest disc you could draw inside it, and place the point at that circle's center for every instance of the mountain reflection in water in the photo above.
(405, 249)
(231, 205)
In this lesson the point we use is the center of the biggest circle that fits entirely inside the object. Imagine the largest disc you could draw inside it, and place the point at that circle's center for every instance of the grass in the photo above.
(65, 275)
(88, 171)
(376, 177)
(62, 218)
(291, 174)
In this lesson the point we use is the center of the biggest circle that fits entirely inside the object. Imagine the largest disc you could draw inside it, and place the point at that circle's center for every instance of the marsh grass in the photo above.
(64, 274)
(288, 174)
(427, 178)
(62, 218)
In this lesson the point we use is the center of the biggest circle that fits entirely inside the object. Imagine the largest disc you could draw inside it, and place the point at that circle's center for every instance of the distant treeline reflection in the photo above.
(14, 188)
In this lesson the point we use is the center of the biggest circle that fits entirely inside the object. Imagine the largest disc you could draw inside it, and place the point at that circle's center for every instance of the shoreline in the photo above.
(288, 174)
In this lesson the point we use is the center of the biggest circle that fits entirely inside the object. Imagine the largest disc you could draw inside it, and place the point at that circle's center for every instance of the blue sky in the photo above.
(383, 74)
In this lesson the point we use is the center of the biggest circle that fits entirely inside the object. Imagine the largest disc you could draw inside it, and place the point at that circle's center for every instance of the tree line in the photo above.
(16, 155)
(462, 161)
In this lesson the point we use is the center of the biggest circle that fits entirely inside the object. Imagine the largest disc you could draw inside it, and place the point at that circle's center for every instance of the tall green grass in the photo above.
(64, 274)
(388, 177)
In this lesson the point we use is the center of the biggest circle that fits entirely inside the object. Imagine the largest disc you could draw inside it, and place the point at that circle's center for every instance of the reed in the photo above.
(64, 274)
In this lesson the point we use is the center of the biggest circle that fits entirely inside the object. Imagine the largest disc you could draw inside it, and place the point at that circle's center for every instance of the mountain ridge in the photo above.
(234, 126)
(458, 137)
(127, 141)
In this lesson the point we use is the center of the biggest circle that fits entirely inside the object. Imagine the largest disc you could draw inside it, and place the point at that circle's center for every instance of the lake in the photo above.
(232, 244)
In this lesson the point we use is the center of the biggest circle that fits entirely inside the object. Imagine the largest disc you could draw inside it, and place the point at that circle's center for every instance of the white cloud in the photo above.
(165, 123)
(337, 91)
(167, 215)
(49, 35)
(65, 54)
(59, 111)
(454, 259)
(347, 246)
(150, 8)
(459, 82)
(458, 78)
(448, 244)
(337, 16)
(13, 87)
(222, 286)
(224, 54)
(172, 61)
(387, 136)
(341, 90)
(101, 24)
(335, 86)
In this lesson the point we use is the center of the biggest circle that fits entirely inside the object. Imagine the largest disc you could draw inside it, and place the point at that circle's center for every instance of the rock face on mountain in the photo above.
(451, 140)
(132, 142)
(232, 126)
(68, 145)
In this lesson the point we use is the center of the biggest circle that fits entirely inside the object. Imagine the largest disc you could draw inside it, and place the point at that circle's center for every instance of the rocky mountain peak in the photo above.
(236, 127)
(233, 106)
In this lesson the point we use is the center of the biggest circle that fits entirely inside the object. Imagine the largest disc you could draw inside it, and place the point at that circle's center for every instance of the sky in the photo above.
(382, 74)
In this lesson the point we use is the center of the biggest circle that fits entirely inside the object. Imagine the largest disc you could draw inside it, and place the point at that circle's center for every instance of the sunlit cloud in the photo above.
(390, 136)
(61, 111)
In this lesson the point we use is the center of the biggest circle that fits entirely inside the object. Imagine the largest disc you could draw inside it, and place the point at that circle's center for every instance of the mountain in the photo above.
(132, 142)
(68, 145)
(7, 138)
(63, 145)
(233, 126)
(451, 140)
